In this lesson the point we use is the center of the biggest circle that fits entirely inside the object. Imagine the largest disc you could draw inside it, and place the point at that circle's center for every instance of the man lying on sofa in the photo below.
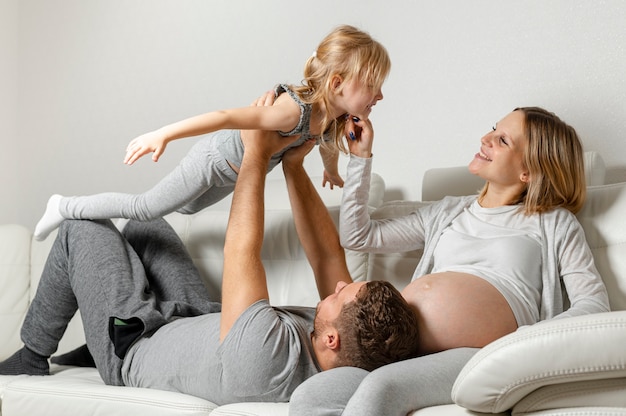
(149, 321)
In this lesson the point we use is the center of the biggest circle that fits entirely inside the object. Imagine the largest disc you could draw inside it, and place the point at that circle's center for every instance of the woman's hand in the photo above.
(360, 136)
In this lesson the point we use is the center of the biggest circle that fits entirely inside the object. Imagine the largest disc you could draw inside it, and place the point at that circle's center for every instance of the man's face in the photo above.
(328, 309)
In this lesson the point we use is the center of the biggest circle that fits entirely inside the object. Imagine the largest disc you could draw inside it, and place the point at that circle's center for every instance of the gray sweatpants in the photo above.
(392, 390)
(201, 179)
(145, 273)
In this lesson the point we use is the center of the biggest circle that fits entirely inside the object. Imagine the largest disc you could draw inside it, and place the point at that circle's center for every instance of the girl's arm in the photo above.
(330, 159)
(284, 115)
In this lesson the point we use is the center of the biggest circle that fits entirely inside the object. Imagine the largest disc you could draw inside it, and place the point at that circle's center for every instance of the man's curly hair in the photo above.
(377, 328)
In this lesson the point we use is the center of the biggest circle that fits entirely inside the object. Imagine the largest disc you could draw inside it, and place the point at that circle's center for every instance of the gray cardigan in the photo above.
(566, 257)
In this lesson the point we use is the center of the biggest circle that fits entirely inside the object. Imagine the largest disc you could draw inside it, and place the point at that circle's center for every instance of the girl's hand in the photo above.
(360, 136)
(332, 180)
(153, 142)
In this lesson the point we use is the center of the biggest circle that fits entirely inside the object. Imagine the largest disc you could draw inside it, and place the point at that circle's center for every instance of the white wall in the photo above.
(10, 178)
(94, 74)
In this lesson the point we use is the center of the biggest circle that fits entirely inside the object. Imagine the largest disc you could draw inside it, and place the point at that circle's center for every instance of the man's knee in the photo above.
(83, 227)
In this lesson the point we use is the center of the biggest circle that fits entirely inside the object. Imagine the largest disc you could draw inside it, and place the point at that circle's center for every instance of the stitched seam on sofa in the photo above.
(152, 401)
(566, 390)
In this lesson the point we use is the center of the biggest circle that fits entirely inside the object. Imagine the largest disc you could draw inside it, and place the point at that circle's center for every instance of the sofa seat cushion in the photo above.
(81, 391)
(449, 410)
(252, 409)
(596, 397)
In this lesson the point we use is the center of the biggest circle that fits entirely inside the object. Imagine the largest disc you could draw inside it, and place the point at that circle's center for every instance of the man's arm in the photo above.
(316, 229)
(243, 281)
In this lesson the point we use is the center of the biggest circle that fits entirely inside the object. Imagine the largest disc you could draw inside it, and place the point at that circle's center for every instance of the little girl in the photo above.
(344, 76)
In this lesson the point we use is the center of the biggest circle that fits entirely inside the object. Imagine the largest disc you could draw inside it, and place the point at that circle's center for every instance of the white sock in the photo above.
(51, 219)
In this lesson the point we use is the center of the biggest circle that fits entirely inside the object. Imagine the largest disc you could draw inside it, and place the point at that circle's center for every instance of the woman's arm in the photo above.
(358, 231)
(391, 390)
(284, 115)
(585, 289)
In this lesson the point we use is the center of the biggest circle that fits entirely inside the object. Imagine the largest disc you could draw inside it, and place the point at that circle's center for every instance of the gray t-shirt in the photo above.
(265, 356)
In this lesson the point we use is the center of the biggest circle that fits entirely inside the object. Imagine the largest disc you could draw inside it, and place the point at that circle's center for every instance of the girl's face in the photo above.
(357, 99)
(500, 160)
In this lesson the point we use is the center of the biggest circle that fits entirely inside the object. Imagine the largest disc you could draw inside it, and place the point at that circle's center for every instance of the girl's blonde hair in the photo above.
(554, 159)
(351, 54)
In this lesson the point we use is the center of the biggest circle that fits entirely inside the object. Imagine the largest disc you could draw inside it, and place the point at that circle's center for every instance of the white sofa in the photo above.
(574, 366)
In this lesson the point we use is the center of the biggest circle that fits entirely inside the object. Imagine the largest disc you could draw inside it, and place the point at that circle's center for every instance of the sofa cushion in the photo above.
(595, 397)
(14, 285)
(602, 218)
(82, 388)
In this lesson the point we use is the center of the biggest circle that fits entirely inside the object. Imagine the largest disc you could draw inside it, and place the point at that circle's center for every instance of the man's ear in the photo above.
(331, 339)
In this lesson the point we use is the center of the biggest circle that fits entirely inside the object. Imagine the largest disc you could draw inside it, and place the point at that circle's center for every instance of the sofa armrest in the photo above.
(554, 352)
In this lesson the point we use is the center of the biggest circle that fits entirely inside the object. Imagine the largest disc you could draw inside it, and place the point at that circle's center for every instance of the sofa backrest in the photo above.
(458, 181)
(603, 218)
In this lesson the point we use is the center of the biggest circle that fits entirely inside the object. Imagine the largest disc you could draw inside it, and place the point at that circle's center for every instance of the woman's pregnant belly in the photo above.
(458, 310)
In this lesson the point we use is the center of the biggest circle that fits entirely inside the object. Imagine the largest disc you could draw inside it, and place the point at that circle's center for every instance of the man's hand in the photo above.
(266, 142)
(264, 100)
(294, 157)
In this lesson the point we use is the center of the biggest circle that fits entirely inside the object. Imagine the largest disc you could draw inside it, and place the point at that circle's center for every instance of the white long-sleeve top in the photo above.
(565, 255)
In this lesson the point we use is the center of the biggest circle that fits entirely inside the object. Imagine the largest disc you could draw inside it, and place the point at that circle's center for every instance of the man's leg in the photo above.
(47, 318)
(173, 279)
(114, 292)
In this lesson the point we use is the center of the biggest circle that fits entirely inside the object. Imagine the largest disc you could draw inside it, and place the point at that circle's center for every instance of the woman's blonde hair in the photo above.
(351, 54)
(554, 159)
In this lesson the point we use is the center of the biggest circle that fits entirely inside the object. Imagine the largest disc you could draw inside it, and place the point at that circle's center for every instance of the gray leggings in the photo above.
(201, 179)
(145, 274)
(392, 390)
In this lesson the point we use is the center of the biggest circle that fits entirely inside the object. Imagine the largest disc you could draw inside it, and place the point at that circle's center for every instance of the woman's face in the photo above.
(500, 159)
